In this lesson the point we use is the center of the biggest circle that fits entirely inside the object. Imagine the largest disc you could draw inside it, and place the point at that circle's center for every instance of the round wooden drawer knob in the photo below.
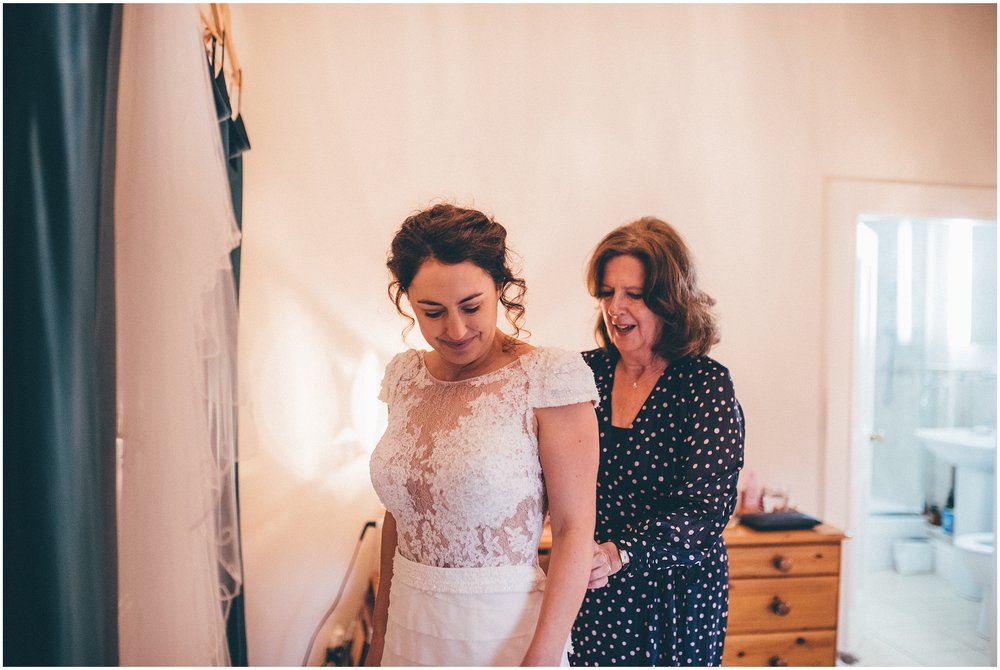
(777, 662)
(780, 607)
(782, 564)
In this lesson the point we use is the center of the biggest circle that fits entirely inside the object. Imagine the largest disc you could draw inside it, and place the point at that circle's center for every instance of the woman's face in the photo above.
(633, 327)
(456, 309)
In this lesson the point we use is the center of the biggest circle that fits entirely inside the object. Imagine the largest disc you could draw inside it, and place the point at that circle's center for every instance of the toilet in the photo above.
(977, 552)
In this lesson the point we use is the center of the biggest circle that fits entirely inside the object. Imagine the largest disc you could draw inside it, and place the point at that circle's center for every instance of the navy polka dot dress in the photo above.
(666, 489)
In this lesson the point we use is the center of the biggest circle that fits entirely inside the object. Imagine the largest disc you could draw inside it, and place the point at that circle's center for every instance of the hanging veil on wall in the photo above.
(178, 554)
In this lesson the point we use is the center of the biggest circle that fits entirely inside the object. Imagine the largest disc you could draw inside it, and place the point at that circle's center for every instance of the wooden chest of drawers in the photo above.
(783, 596)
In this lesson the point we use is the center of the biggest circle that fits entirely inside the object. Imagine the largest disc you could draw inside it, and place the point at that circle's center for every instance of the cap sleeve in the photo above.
(400, 366)
(560, 377)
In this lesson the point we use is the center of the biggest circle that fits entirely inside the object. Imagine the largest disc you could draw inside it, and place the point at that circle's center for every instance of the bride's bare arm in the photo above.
(568, 451)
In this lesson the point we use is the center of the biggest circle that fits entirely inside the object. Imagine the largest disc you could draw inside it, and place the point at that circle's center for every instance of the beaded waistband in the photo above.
(492, 579)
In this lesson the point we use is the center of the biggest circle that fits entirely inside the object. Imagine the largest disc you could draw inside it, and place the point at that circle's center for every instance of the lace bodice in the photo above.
(458, 464)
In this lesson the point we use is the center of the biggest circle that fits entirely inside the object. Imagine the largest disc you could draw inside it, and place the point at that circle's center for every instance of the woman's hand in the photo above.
(606, 562)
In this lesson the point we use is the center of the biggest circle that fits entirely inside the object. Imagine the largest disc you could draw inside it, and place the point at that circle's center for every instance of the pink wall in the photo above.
(563, 121)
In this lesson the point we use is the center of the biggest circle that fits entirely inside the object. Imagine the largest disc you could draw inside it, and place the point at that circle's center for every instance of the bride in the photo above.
(486, 434)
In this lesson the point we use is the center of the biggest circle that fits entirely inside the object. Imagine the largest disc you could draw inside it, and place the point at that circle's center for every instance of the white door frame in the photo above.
(845, 200)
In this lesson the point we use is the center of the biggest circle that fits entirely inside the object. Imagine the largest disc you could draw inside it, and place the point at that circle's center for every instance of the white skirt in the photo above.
(462, 616)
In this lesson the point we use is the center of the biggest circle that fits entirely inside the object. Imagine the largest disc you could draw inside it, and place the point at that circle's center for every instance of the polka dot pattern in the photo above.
(666, 489)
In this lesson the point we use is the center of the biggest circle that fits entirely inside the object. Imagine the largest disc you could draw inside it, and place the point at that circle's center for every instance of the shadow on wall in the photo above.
(311, 419)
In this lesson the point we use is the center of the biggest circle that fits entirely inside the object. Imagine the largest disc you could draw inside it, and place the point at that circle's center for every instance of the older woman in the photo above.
(671, 433)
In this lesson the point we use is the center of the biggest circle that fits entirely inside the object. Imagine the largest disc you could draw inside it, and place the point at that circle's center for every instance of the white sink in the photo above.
(973, 453)
(961, 447)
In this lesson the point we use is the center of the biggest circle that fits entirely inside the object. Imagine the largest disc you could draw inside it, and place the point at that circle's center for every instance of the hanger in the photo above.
(217, 23)
(218, 28)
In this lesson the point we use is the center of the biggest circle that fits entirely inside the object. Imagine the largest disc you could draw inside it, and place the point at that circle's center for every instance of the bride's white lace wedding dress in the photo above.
(458, 469)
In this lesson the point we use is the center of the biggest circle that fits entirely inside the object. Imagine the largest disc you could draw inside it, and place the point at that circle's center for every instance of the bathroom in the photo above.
(931, 512)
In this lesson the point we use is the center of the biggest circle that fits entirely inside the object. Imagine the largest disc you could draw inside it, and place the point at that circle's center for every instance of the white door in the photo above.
(846, 478)
(866, 329)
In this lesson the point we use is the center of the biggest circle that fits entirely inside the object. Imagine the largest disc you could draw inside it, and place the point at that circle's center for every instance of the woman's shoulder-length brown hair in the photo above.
(671, 287)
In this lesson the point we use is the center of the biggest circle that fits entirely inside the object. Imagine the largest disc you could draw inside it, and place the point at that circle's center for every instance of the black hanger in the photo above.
(223, 107)
(238, 139)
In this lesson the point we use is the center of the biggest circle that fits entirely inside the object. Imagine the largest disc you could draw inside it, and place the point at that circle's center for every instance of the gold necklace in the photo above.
(635, 383)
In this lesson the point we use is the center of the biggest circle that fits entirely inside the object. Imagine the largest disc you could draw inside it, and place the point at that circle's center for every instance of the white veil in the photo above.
(178, 548)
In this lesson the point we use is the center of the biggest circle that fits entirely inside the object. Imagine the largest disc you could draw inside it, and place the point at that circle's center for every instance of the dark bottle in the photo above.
(934, 515)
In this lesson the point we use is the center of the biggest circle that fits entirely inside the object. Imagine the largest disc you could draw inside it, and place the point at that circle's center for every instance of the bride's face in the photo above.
(456, 309)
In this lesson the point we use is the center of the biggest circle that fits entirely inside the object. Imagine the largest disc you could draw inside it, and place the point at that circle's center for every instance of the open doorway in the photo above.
(925, 394)
(865, 230)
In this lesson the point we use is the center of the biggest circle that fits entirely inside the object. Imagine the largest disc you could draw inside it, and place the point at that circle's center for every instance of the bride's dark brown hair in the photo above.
(452, 235)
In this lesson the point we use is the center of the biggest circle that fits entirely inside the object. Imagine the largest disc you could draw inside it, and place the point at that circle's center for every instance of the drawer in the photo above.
(802, 648)
(782, 603)
(777, 560)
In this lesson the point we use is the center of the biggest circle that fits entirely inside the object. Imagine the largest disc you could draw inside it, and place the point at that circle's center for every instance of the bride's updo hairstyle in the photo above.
(452, 235)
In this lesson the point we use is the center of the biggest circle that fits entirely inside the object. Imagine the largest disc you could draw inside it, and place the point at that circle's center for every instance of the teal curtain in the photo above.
(60, 566)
